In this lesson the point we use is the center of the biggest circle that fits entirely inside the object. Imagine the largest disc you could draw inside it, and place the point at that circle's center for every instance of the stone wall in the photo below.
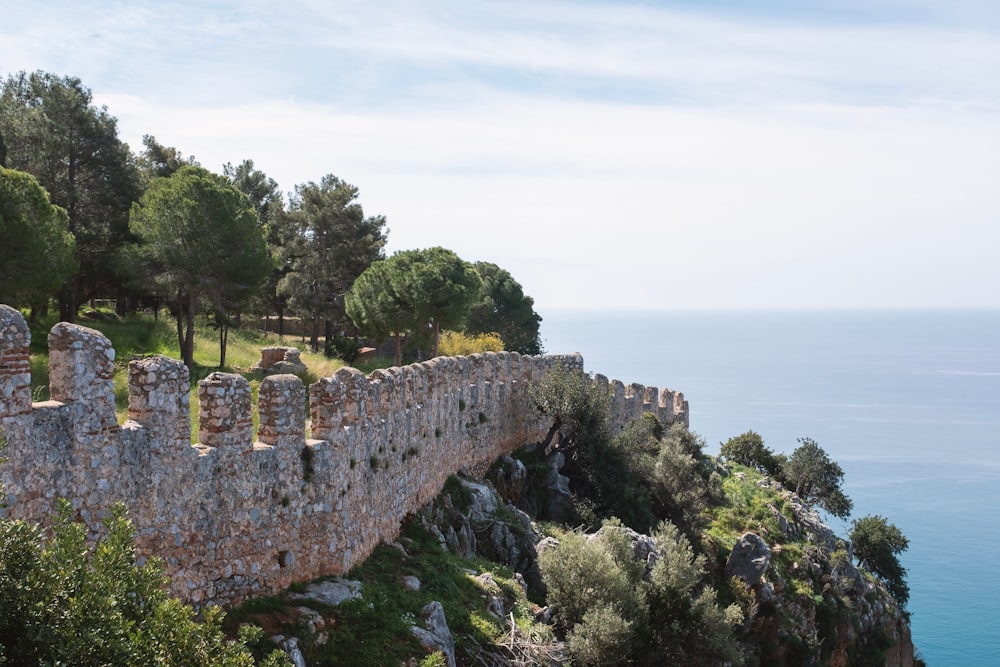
(234, 516)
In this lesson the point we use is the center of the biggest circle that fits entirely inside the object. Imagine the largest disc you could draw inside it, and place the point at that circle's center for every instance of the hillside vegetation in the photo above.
(715, 563)
(590, 548)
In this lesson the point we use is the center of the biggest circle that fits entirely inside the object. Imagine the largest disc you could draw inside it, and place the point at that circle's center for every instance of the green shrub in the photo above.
(877, 544)
(66, 604)
(614, 614)
(748, 449)
(601, 638)
(685, 482)
(342, 347)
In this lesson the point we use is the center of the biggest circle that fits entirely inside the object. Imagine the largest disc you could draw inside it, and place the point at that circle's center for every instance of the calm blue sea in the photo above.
(907, 402)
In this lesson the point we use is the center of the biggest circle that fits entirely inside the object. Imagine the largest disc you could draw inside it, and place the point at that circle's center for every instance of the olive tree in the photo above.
(877, 545)
(616, 609)
(816, 478)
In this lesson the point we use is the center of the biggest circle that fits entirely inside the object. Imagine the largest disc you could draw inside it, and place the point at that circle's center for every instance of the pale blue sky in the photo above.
(724, 154)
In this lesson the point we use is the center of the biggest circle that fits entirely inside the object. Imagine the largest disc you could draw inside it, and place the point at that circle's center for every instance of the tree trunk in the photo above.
(189, 335)
(67, 301)
(179, 319)
(39, 309)
(399, 349)
(185, 337)
(437, 339)
(223, 343)
(314, 334)
(556, 425)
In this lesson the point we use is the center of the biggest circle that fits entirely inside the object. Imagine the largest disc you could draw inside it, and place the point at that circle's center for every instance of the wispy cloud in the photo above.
(635, 155)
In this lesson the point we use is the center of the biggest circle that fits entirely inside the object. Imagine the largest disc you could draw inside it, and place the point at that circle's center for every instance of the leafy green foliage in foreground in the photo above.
(64, 603)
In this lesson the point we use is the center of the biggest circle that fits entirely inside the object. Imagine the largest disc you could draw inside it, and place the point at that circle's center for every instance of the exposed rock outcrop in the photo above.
(435, 635)
(749, 559)
(483, 524)
(331, 592)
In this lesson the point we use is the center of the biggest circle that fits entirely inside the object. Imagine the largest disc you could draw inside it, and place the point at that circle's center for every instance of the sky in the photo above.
(611, 155)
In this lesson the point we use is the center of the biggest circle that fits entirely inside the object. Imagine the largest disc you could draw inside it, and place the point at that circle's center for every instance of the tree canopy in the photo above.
(375, 308)
(52, 130)
(201, 240)
(134, 233)
(412, 291)
(877, 545)
(439, 286)
(748, 449)
(329, 244)
(817, 478)
(261, 189)
(159, 161)
(504, 308)
(37, 247)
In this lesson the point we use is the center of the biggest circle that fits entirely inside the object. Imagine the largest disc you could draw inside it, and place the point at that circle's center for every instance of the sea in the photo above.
(907, 402)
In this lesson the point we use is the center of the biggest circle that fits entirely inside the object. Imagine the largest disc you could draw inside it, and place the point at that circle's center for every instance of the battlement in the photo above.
(241, 513)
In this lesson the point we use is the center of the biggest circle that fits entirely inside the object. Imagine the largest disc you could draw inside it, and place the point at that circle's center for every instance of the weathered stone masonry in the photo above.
(232, 516)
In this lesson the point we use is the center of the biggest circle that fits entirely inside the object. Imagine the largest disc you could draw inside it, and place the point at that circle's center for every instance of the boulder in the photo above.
(290, 645)
(482, 501)
(807, 519)
(435, 635)
(510, 478)
(461, 541)
(787, 531)
(559, 499)
(749, 559)
(331, 592)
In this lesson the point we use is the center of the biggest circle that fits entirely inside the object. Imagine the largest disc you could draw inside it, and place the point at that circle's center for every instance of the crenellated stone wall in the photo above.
(236, 515)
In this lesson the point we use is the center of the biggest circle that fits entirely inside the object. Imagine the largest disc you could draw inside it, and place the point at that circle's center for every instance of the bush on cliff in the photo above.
(616, 609)
(877, 544)
(685, 482)
(64, 603)
(748, 449)
(641, 475)
(816, 478)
